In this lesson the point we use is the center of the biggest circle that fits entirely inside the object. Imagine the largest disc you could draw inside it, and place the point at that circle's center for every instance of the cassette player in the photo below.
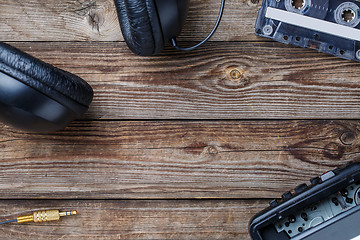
(329, 26)
(327, 209)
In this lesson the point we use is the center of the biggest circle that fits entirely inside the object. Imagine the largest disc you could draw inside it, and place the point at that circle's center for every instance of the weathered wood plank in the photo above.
(107, 159)
(227, 219)
(221, 81)
(172, 159)
(89, 20)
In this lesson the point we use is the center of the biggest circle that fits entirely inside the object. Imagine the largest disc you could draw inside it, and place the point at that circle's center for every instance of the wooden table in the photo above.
(178, 146)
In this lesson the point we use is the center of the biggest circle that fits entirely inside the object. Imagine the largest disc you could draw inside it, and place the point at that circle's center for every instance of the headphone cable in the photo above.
(9, 221)
(174, 43)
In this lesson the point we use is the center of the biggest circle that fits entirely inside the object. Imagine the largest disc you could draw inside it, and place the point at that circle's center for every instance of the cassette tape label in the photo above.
(313, 23)
(328, 26)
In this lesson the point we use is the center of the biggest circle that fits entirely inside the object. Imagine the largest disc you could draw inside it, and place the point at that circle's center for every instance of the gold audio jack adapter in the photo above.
(41, 216)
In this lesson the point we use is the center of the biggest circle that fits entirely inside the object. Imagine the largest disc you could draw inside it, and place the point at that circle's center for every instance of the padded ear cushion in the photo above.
(49, 80)
(140, 25)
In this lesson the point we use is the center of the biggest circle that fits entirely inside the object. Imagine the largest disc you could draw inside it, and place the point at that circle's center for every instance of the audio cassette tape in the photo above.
(329, 26)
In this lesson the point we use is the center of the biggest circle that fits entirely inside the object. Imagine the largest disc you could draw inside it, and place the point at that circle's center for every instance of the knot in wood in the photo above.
(236, 74)
(212, 150)
(95, 19)
(347, 138)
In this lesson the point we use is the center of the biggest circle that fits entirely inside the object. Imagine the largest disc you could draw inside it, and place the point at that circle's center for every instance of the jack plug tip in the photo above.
(45, 216)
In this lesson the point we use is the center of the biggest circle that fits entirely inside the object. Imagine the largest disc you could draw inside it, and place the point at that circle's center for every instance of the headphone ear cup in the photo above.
(31, 88)
(140, 26)
(172, 15)
(44, 77)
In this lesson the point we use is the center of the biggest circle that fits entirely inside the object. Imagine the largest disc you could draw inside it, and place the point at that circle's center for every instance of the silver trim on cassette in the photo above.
(313, 23)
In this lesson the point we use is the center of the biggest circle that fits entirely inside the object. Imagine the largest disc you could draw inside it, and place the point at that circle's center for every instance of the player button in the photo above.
(315, 180)
(286, 196)
(273, 203)
(326, 176)
(300, 188)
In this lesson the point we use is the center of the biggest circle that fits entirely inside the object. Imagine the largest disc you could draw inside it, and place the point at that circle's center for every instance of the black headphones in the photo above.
(38, 97)
(148, 25)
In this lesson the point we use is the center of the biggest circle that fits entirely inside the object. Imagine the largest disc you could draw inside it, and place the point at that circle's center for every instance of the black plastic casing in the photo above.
(172, 15)
(262, 227)
(26, 108)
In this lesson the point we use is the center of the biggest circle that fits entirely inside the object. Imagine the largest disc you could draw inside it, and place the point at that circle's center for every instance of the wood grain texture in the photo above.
(96, 20)
(196, 142)
(221, 81)
(112, 219)
(171, 159)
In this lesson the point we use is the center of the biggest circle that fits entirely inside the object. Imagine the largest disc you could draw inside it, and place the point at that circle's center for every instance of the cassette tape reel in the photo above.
(329, 26)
